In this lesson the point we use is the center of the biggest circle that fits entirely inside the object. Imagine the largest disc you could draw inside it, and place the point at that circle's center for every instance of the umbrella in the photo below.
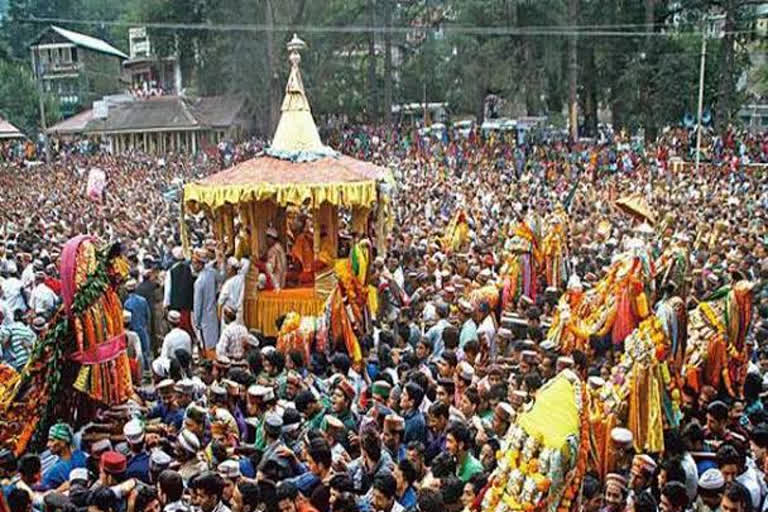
(637, 207)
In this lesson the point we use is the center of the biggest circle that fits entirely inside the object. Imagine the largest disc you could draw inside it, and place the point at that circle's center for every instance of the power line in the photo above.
(597, 31)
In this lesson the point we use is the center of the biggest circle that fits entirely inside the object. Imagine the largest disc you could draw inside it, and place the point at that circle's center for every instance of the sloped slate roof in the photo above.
(74, 124)
(92, 43)
(217, 111)
(8, 131)
(159, 113)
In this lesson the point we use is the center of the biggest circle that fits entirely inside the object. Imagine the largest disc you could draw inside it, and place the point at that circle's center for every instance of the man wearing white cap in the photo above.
(710, 492)
(138, 460)
(232, 291)
(277, 260)
(42, 300)
(13, 289)
(177, 338)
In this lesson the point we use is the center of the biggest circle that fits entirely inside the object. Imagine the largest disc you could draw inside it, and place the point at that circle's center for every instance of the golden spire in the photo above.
(296, 130)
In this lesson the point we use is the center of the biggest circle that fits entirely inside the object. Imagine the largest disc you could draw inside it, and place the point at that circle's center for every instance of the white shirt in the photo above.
(176, 339)
(28, 277)
(749, 480)
(232, 293)
(12, 291)
(42, 299)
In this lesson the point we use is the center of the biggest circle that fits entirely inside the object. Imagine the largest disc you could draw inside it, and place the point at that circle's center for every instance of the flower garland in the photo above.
(28, 416)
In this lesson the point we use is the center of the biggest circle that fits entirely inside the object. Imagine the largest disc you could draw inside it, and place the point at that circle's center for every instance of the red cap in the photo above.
(113, 463)
(346, 388)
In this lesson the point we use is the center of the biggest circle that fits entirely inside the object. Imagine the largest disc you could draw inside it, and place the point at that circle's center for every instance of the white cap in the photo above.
(78, 474)
(711, 480)
(134, 432)
(177, 253)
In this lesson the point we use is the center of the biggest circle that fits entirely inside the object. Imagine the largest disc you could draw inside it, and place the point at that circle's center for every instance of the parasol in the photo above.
(637, 207)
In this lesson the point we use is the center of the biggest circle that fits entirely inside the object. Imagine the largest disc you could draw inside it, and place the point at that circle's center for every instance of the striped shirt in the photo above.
(16, 340)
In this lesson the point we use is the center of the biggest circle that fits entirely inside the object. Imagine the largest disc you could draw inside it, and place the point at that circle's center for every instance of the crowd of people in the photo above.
(417, 423)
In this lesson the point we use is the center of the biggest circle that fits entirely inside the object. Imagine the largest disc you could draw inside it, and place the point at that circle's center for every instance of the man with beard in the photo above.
(60, 438)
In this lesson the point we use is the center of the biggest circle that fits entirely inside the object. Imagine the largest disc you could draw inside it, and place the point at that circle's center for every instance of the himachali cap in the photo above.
(161, 366)
(229, 469)
(60, 432)
(505, 410)
(196, 413)
(465, 306)
(165, 384)
(616, 479)
(102, 445)
(113, 463)
(185, 386)
(644, 462)
(565, 362)
(222, 361)
(218, 390)
(174, 316)
(529, 356)
(134, 432)
(189, 441)
(177, 253)
(346, 388)
(711, 480)
(466, 372)
(381, 388)
(621, 436)
(159, 460)
(596, 382)
(394, 423)
(131, 285)
(332, 422)
(78, 474)
(273, 424)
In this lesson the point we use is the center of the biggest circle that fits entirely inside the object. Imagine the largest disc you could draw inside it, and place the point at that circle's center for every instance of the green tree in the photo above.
(19, 99)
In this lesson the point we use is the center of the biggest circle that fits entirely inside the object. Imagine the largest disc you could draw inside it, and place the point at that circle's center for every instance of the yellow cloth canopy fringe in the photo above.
(349, 195)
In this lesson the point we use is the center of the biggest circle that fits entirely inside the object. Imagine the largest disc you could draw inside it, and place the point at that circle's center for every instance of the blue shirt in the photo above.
(138, 467)
(140, 318)
(408, 499)
(415, 427)
(59, 472)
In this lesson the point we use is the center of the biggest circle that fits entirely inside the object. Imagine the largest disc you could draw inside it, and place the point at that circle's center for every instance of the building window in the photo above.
(764, 120)
(74, 54)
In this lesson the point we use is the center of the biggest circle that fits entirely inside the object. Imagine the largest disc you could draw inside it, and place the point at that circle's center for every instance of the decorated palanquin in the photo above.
(554, 249)
(522, 259)
(716, 352)
(296, 172)
(643, 391)
(615, 305)
(544, 455)
(456, 233)
(346, 314)
(84, 348)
